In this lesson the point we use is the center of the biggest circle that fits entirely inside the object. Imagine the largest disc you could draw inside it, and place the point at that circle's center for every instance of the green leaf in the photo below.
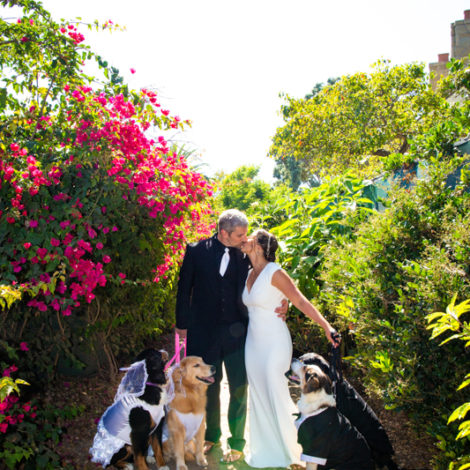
(3, 98)
(459, 413)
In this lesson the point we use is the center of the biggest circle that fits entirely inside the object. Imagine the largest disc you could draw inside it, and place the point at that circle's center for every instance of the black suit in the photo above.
(210, 307)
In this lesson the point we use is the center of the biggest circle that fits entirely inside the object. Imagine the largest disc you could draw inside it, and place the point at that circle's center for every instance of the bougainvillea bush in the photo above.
(95, 204)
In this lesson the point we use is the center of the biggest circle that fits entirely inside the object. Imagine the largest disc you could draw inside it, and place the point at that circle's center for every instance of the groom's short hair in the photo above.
(232, 218)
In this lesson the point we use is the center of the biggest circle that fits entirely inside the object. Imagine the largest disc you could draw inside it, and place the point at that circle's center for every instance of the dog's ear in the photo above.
(325, 383)
(312, 382)
(316, 379)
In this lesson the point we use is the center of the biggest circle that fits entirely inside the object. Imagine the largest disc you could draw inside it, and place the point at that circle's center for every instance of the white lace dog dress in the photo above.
(113, 428)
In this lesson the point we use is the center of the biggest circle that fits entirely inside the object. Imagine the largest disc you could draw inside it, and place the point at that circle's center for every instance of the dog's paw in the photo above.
(150, 459)
(165, 467)
(182, 467)
(128, 466)
(201, 461)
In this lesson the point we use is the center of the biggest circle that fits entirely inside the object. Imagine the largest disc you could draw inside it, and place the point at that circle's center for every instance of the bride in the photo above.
(268, 353)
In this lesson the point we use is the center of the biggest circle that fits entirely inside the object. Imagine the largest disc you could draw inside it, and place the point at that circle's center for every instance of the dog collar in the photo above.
(152, 384)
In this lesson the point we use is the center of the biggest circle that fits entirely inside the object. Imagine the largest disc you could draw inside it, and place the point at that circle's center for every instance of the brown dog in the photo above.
(186, 418)
(327, 437)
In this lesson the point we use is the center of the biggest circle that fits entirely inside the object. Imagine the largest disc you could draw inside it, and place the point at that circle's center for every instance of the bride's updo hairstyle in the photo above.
(268, 242)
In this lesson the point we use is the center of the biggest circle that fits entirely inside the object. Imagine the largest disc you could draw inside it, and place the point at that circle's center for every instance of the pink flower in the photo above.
(11, 220)
(27, 407)
(27, 245)
(24, 346)
(55, 242)
(33, 223)
(67, 312)
(62, 287)
(99, 246)
(132, 70)
(41, 252)
(106, 259)
(3, 427)
(122, 275)
(14, 147)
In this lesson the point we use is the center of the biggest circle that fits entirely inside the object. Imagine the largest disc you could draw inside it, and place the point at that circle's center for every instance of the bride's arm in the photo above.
(286, 285)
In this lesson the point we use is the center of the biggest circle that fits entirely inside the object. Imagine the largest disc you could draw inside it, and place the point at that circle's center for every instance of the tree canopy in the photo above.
(357, 121)
(241, 188)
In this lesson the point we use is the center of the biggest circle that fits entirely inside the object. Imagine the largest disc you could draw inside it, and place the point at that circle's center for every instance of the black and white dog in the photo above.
(134, 422)
(328, 439)
(358, 412)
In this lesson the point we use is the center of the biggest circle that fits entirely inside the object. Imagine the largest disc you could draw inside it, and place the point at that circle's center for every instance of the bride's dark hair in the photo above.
(268, 242)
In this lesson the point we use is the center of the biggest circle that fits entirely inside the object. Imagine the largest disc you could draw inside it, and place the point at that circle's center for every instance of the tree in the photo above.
(357, 121)
(241, 188)
(288, 169)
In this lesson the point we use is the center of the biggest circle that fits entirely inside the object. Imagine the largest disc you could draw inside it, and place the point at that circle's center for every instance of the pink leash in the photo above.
(179, 346)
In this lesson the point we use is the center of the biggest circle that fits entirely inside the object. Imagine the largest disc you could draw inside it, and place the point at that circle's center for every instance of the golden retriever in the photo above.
(186, 417)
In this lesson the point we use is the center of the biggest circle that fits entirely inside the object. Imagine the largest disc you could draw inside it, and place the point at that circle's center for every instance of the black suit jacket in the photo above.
(198, 298)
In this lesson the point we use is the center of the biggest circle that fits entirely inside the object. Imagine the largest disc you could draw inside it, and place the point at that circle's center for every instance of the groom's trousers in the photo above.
(228, 350)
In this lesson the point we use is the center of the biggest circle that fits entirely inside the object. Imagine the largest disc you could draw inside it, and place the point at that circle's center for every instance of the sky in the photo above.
(223, 63)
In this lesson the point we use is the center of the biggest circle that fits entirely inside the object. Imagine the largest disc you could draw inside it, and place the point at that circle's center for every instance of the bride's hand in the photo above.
(333, 337)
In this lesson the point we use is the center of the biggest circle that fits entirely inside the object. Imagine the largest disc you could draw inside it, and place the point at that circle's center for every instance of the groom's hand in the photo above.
(282, 309)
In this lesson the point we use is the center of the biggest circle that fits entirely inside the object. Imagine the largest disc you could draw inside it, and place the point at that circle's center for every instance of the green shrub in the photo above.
(402, 265)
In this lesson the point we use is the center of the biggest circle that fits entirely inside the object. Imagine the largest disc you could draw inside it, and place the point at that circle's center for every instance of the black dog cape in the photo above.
(359, 413)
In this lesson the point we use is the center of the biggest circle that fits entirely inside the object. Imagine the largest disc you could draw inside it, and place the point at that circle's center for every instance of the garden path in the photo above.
(413, 452)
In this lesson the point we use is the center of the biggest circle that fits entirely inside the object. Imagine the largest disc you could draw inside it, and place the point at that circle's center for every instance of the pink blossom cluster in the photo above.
(73, 33)
(145, 171)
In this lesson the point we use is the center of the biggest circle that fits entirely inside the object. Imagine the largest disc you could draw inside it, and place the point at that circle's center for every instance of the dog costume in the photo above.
(328, 439)
(113, 428)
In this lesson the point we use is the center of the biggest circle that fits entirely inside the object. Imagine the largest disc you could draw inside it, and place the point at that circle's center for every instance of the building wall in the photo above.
(460, 48)
(460, 37)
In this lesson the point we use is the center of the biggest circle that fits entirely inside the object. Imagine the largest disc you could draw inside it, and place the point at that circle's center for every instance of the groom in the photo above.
(210, 312)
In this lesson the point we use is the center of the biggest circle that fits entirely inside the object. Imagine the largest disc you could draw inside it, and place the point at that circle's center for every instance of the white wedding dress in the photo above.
(268, 354)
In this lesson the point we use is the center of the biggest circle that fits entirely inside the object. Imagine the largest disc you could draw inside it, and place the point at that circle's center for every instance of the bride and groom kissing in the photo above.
(231, 307)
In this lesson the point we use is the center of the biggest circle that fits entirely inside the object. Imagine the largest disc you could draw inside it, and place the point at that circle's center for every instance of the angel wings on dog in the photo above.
(128, 427)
